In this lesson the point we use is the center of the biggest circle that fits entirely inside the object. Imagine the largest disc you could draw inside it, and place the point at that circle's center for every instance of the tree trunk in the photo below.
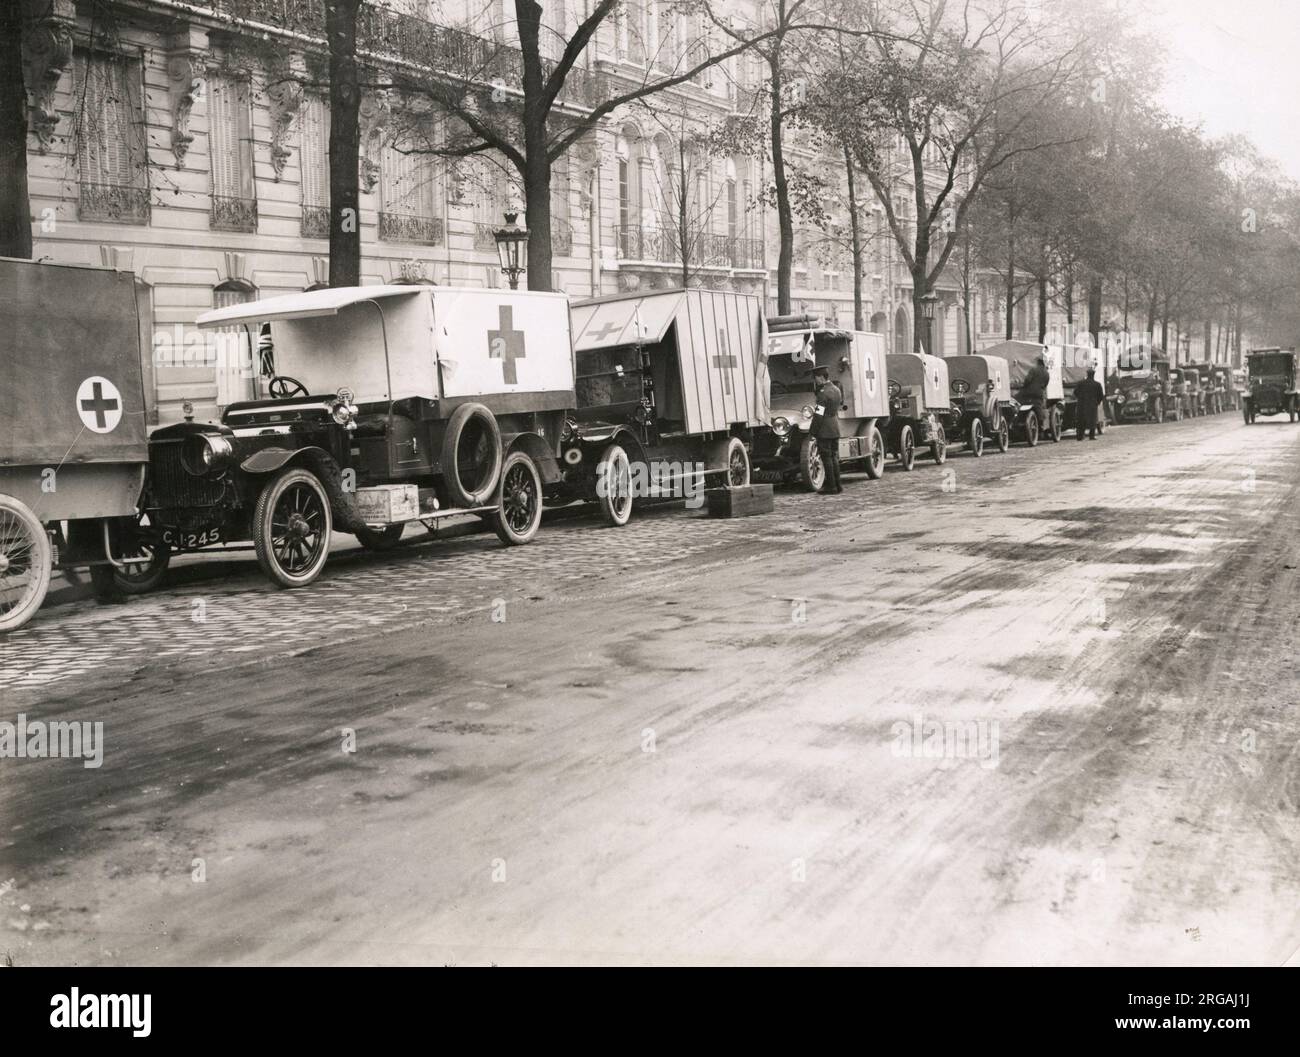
(1011, 274)
(345, 143)
(784, 213)
(537, 163)
(1042, 309)
(1094, 309)
(15, 208)
(855, 228)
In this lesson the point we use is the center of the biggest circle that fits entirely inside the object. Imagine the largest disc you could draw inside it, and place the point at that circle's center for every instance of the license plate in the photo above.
(191, 539)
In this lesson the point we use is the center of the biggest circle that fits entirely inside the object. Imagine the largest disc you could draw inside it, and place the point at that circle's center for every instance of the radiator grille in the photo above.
(171, 487)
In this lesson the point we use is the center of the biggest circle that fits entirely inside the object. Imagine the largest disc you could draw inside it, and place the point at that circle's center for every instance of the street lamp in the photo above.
(512, 243)
(928, 303)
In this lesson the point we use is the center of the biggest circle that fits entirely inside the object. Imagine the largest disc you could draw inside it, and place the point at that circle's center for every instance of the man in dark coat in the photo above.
(1088, 396)
(826, 428)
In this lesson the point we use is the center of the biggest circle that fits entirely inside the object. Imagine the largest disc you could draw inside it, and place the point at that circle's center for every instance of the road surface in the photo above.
(1035, 708)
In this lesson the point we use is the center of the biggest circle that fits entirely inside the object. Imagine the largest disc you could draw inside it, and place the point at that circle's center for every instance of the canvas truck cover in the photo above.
(928, 374)
(864, 383)
(716, 336)
(978, 371)
(72, 391)
(442, 342)
(1020, 357)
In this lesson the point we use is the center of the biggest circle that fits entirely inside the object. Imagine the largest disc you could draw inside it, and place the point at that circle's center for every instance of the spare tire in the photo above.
(471, 456)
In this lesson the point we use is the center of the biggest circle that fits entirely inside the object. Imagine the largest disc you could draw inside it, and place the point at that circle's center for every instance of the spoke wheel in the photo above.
(976, 439)
(1004, 435)
(939, 446)
(737, 463)
(292, 523)
(907, 448)
(614, 480)
(876, 454)
(1031, 429)
(812, 471)
(519, 506)
(25, 557)
(134, 544)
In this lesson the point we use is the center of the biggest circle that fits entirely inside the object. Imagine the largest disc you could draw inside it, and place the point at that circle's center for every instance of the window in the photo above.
(111, 157)
(230, 151)
(561, 229)
(408, 193)
(314, 160)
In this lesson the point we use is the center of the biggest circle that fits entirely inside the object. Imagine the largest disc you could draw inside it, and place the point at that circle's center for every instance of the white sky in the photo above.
(1234, 65)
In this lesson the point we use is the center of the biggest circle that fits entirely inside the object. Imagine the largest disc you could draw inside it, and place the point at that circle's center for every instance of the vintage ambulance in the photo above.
(919, 409)
(855, 362)
(387, 405)
(1030, 423)
(981, 393)
(670, 388)
(73, 445)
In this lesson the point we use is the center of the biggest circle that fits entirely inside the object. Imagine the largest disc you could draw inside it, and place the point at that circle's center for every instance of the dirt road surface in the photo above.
(1035, 708)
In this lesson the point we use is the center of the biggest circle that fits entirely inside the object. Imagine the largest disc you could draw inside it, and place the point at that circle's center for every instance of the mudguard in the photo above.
(269, 460)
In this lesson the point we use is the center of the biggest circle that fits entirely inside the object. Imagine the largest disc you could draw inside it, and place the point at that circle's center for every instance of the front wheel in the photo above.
(812, 471)
(975, 437)
(1031, 429)
(25, 557)
(939, 446)
(144, 561)
(292, 523)
(1158, 414)
(1054, 427)
(1003, 435)
(876, 454)
(519, 503)
(614, 486)
(907, 448)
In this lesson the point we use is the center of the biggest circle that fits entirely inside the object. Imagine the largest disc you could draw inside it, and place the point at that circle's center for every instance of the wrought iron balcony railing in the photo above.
(448, 51)
(407, 227)
(233, 214)
(704, 249)
(315, 222)
(116, 203)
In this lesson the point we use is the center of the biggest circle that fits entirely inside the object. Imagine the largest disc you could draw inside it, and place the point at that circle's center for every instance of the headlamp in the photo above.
(206, 453)
(781, 426)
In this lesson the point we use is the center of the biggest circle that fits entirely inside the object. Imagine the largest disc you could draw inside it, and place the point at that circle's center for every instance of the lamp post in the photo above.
(512, 245)
(928, 303)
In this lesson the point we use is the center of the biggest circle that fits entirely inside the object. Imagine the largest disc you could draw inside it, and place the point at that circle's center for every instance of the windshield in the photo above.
(1270, 363)
(790, 377)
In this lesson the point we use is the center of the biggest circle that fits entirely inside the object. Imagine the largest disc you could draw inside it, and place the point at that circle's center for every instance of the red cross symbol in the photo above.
(99, 404)
(507, 344)
(606, 332)
(725, 359)
(870, 375)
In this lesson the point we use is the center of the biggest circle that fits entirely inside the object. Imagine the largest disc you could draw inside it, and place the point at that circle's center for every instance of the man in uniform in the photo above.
(826, 428)
(1033, 390)
(1088, 396)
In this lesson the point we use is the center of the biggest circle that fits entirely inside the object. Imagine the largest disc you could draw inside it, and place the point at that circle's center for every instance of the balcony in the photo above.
(233, 214)
(115, 203)
(706, 249)
(450, 52)
(407, 227)
(315, 222)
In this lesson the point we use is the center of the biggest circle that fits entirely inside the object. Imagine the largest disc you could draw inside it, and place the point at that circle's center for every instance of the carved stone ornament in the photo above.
(285, 96)
(48, 48)
(185, 84)
(375, 114)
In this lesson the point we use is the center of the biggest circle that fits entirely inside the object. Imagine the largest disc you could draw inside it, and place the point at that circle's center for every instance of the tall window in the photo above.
(409, 196)
(230, 148)
(111, 156)
(561, 231)
(314, 159)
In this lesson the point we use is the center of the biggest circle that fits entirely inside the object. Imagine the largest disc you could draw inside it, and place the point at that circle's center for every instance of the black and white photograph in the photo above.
(649, 484)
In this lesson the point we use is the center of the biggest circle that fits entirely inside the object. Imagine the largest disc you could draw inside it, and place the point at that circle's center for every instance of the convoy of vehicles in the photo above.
(855, 362)
(388, 405)
(981, 396)
(668, 395)
(1270, 384)
(920, 412)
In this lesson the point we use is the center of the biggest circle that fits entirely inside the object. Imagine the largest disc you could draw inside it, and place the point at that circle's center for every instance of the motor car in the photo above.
(1032, 423)
(1142, 390)
(73, 445)
(920, 412)
(387, 405)
(1270, 384)
(668, 393)
(855, 362)
(981, 396)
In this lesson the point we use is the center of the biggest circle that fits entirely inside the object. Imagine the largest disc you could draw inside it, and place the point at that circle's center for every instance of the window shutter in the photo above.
(315, 152)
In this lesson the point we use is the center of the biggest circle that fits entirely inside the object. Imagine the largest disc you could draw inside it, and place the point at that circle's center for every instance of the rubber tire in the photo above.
(812, 472)
(907, 448)
(939, 447)
(460, 418)
(505, 533)
(736, 447)
(609, 510)
(1031, 429)
(262, 528)
(380, 540)
(1003, 436)
(975, 437)
(41, 558)
(875, 463)
(110, 584)
(1160, 411)
(1056, 427)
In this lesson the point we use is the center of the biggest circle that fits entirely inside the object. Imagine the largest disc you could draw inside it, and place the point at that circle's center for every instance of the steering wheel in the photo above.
(281, 387)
